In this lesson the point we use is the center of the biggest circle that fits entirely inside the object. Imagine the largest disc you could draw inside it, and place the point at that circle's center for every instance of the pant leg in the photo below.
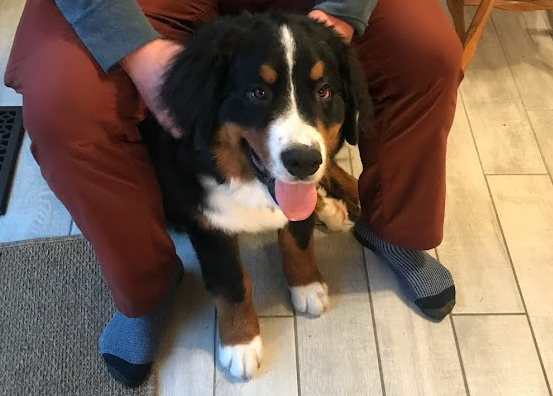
(412, 61)
(82, 124)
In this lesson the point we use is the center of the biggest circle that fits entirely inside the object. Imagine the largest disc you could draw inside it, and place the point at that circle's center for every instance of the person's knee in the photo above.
(442, 56)
(430, 60)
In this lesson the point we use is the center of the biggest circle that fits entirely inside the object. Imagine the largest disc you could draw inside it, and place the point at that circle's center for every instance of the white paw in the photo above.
(332, 212)
(242, 359)
(312, 298)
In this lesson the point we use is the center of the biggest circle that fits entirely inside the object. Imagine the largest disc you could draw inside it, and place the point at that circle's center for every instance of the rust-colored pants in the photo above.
(83, 127)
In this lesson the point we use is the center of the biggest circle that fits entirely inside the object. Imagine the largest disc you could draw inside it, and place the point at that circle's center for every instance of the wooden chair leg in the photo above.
(458, 15)
(476, 29)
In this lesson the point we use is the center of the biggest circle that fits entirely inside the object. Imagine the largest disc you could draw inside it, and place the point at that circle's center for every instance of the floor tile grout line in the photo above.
(516, 174)
(463, 373)
(490, 314)
(494, 27)
(538, 145)
(298, 375)
(534, 108)
(536, 140)
(538, 352)
(518, 286)
(497, 214)
(504, 240)
(375, 332)
(500, 40)
(276, 316)
(508, 251)
(461, 364)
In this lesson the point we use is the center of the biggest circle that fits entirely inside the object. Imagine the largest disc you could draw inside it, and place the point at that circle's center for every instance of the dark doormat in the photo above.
(54, 305)
(11, 135)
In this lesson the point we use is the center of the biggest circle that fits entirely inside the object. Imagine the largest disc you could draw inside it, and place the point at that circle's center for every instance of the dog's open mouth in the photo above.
(296, 200)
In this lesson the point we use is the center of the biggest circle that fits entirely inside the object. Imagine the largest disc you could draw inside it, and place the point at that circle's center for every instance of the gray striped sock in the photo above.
(424, 279)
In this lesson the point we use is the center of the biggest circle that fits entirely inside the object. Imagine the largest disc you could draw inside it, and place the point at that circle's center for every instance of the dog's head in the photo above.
(269, 95)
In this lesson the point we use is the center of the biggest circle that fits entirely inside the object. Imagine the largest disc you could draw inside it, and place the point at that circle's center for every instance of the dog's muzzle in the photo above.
(296, 200)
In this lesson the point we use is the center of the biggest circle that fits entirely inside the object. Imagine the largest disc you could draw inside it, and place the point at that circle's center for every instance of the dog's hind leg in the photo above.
(307, 286)
(228, 282)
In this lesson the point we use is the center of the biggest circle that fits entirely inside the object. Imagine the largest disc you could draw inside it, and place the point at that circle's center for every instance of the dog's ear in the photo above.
(358, 105)
(359, 109)
(194, 83)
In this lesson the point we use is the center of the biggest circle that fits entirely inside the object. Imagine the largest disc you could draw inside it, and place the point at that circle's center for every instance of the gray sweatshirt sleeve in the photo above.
(110, 29)
(354, 12)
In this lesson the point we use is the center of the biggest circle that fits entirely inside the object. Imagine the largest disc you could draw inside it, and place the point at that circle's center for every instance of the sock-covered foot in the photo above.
(129, 345)
(424, 279)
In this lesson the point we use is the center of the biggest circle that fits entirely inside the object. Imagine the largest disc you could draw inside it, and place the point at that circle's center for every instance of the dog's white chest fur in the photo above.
(241, 207)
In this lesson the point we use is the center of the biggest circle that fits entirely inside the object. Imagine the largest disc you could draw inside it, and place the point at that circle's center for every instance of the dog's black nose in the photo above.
(301, 161)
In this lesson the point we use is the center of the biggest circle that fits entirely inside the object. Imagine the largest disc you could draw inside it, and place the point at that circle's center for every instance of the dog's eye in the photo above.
(259, 93)
(323, 92)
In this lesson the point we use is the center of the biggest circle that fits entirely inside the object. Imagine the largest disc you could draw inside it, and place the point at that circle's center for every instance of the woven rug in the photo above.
(53, 306)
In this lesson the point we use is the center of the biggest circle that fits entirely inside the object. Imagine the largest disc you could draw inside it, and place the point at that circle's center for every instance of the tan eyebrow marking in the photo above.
(268, 74)
(317, 70)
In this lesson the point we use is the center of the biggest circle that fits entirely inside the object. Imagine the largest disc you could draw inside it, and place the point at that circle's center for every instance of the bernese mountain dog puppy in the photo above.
(265, 102)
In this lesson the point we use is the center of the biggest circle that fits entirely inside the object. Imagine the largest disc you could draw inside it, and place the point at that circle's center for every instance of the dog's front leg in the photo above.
(338, 199)
(227, 280)
(307, 287)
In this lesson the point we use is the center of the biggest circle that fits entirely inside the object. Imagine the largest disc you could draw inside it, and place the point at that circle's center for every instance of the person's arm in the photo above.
(110, 29)
(355, 13)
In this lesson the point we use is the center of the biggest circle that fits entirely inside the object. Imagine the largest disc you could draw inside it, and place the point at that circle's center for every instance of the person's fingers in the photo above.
(321, 17)
(343, 29)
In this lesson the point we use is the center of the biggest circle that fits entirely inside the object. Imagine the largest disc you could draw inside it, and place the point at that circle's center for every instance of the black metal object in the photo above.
(11, 136)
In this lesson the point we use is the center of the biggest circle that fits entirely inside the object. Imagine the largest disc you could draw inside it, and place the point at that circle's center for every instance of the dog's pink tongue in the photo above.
(297, 201)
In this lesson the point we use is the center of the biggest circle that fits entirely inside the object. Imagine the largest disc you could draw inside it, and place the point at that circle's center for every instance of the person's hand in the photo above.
(344, 29)
(145, 67)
